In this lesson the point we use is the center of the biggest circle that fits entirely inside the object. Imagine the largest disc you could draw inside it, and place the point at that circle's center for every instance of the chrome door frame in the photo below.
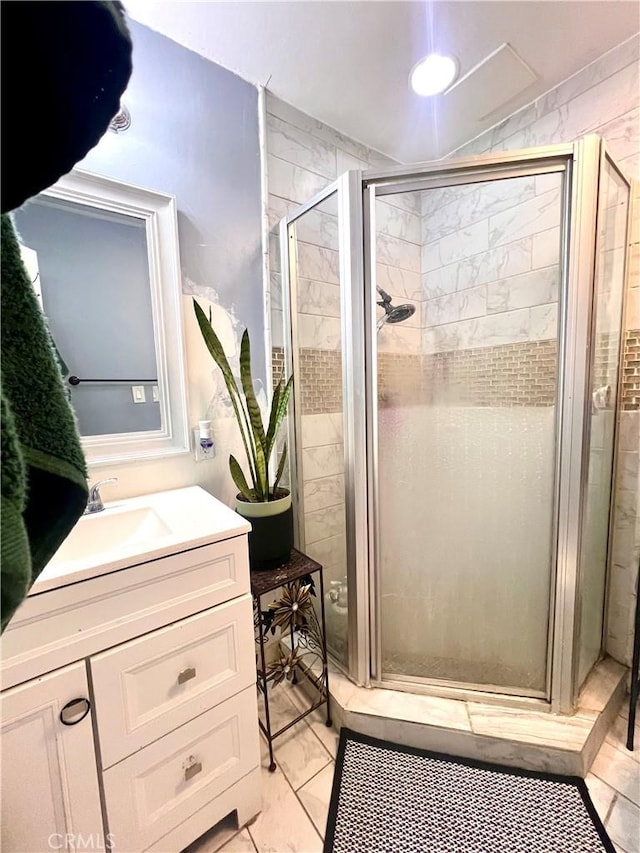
(347, 190)
(570, 420)
(574, 460)
(603, 156)
(633, 202)
(357, 193)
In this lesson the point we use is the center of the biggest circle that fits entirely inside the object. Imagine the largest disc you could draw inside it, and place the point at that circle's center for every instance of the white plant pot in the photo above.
(271, 537)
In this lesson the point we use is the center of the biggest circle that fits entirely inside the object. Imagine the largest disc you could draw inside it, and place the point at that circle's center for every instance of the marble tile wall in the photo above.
(398, 269)
(603, 98)
(304, 156)
(324, 524)
(490, 263)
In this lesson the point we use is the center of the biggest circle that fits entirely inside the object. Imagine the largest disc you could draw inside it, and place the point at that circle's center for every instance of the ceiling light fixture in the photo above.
(433, 74)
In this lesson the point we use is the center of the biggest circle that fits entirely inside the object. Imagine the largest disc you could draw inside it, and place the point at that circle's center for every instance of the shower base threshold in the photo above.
(532, 740)
(517, 737)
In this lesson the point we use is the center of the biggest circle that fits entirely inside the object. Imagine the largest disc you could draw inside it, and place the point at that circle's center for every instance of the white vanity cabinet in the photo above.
(164, 652)
(49, 776)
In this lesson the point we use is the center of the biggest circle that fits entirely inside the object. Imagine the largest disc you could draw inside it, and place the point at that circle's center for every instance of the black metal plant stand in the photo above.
(294, 615)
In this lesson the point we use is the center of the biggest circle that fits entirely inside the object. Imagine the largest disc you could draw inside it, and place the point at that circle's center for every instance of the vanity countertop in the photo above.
(137, 530)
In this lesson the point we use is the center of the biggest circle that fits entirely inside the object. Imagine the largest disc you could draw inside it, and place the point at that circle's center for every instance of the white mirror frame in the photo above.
(158, 210)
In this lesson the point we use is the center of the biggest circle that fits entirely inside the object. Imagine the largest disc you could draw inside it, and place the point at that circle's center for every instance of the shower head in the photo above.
(393, 314)
(400, 313)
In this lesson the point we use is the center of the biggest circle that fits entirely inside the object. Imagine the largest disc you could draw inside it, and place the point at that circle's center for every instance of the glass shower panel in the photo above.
(613, 209)
(467, 388)
(315, 269)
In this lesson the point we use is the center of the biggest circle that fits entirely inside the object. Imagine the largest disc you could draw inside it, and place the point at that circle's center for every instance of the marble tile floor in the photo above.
(296, 797)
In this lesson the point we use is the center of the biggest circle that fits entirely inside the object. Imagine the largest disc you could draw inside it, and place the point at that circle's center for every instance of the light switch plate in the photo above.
(137, 392)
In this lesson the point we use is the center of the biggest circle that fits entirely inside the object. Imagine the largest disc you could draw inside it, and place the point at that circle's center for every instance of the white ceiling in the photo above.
(347, 63)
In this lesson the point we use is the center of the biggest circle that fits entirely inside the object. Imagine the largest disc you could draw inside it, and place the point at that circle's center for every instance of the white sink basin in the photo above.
(98, 533)
(136, 530)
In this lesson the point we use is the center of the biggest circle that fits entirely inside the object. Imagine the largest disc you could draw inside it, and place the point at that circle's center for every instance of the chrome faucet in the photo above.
(94, 504)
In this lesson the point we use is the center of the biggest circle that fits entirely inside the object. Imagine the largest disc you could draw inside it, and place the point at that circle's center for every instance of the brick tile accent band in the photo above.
(519, 374)
(631, 372)
(522, 374)
(320, 379)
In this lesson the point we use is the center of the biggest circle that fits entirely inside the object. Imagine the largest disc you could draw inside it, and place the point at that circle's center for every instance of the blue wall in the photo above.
(194, 133)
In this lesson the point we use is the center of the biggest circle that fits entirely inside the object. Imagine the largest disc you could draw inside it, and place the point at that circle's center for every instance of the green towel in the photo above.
(80, 61)
(44, 488)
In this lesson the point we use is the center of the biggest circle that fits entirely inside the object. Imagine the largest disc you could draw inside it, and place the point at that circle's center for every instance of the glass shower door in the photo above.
(611, 248)
(318, 275)
(465, 437)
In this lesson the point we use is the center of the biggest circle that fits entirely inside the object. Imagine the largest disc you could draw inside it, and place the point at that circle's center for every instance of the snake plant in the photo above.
(259, 443)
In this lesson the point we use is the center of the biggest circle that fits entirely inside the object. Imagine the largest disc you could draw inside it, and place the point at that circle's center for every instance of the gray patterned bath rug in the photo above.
(389, 798)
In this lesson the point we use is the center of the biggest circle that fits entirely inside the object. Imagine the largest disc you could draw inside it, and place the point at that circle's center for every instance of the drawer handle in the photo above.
(192, 770)
(71, 710)
(186, 674)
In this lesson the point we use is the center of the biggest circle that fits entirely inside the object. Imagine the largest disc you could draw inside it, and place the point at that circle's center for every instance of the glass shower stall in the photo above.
(455, 331)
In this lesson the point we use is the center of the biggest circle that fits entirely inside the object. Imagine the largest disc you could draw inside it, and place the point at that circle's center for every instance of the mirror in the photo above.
(103, 259)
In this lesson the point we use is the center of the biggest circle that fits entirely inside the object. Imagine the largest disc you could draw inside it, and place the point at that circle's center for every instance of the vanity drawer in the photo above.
(151, 792)
(158, 682)
(62, 625)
